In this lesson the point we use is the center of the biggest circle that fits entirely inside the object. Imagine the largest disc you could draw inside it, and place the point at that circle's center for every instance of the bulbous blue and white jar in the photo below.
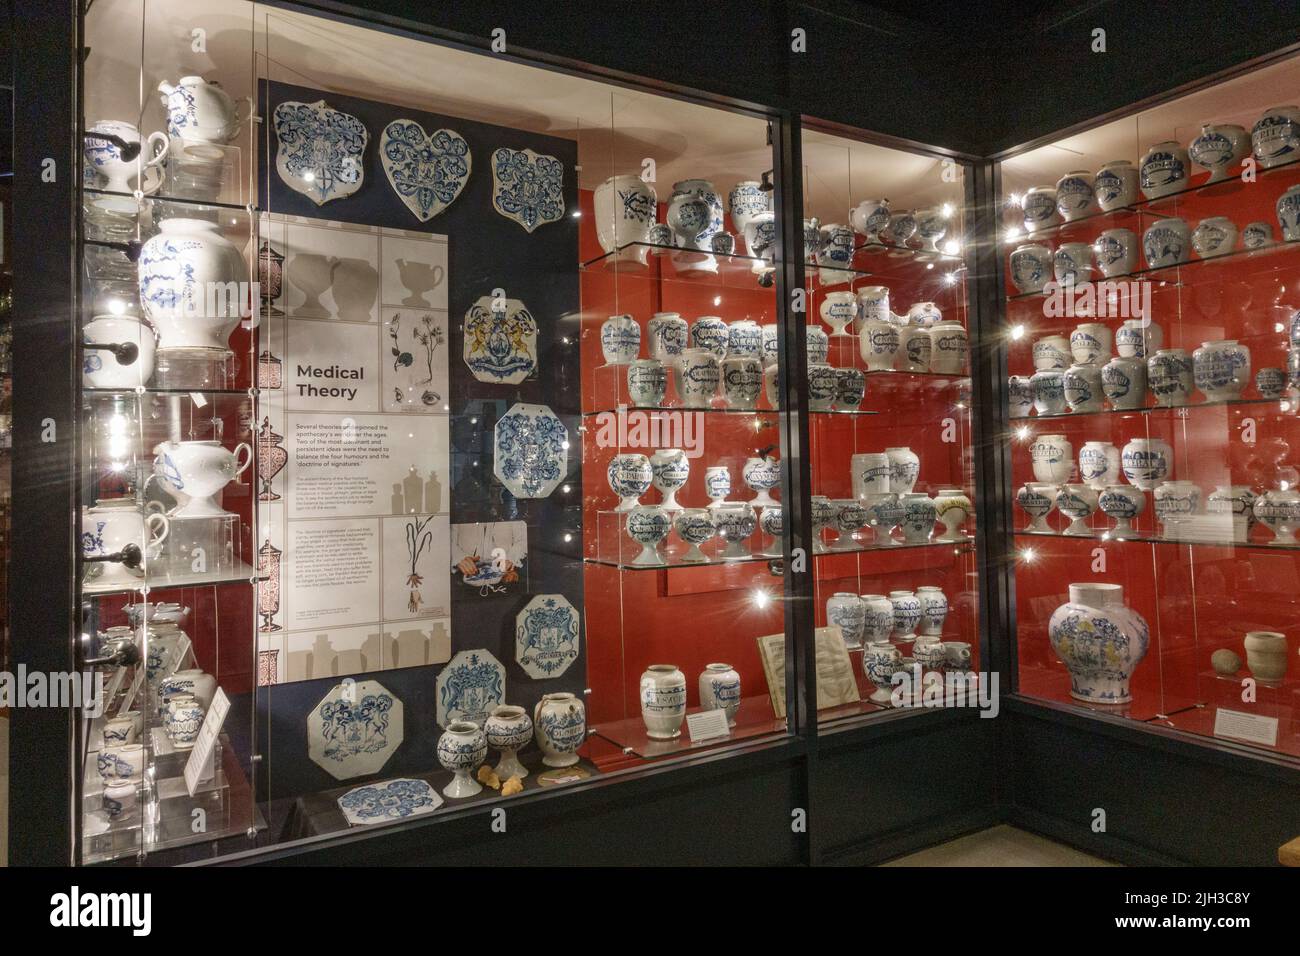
(667, 335)
(710, 332)
(694, 213)
(934, 610)
(695, 527)
(620, 339)
(1215, 236)
(845, 610)
(1078, 503)
(742, 379)
(1166, 242)
(1039, 208)
(508, 730)
(462, 749)
(182, 720)
(1221, 369)
(1116, 252)
(835, 254)
(177, 271)
(1270, 383)
(1099, 464)
(629, 476)
(1090, 344)
(1116, 185)
(760, 242)
(670, 468)
(647, 382)
(850, 388)
(822, 387)
(1288, 213)
(1075, 195)
(648, 525)
(823, 516)
(850, 515)
(1169, 377)
(698, 375)
(1293, 366)
(1072, 263)
(818, 345)
(1037, 500)
(1134, 339)
(1220, 148)
(560, 727)
(812, 240)
(1146, 462)
(1031, 267)
(1175, 501)
(1275, 137)
(1124, 383)
(916, 346)
(924, 315)
(1121, 503)
(717, 484)
(1049, 391)
(880, 661)
(1236, 503)
(768, 336)
(1100, 641)
(873, 305)
(948, 346)
(919, 515)
(870, 473)
(907, 614)
(839, 310)
(663, 701)
(625, 208)
(931, 226)
(735, 523)
(1279, 511)
(745, 339)
(901, 228)
(771, 521)
(869, 217)
(877, 618)
(1020, 395)
(886, 513)
(762, 475)
(1165, 170)
(1257, 235)
(1052, 351)
(119, 800)
(878, 342)
(1081, 385)
(904, 469)
(720, 690)
(1053, 459)
(746, 200)
(929, 652)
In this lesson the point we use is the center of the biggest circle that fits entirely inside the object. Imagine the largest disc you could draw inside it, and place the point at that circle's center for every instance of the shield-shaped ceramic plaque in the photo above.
(546, 636)
(355, 728)
(531, 450)
(390, 800)
(319, 150)
(500, 341)
(427, 171)
(527, 188)
(472, 683)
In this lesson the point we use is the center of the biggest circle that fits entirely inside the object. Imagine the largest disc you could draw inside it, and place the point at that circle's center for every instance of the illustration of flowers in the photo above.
(429, 334)
(418, 538)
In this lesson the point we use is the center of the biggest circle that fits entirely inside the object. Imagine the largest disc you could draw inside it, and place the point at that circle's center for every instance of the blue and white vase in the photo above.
(695, 527)
(745, 339)
(182, 720)
(1031, 267)
(695, 214)
(625, 208)
(663, 701)
(823, 516)
(838, 310)
(1175, 501)
(762, 475)
(667, 335)
(1081, 385)
(1053, 459)
(1279, 511)
(850, 515)
(698, 375)
(901, 228)
(1078, 503)
(1039, 208)
(851, 388)
(560, 727)
(119, 800)
(1275, 137)
(1138, 338)
(880, 661)
(1146, 462)
(1090, 344)
(178, 270)
(878, 342)
(952, 507)
(919, 514)
(877, 618)
(670, 468)
(1116, 185)
(835, 254)
(948, 347)
(929, 652)
(462, 749)
(934, 610)
(717, 484)
(869, 217)
(720, 690)
(1169, 377)
(1165, 169)
(1100, 641)
(886, 514)
(870, 473)
(822, 387)
(1049, 391)
(1215, 236)
(1166, 242)
(818, 345)
(620, 339)
(771, 521)
(1072, 263)
(1270, 382)
(647, 382)
(1237, 503)
(1220, 148)
(747, 200)
(1020, 395)
(508, 730)
(873, 305)
(845, 610)
(770, 349)
(648, 525)
(1037, 500)
(1221, 369)
(907, 614)
(1124, 382)
(1075, 195)
(1052, 351)
(1288, 213)
(1257, 235)
(742, 380)
(629, 476)
(904, 469)
(931, 227)
(1121, 503)
(1116, 252)
(710, 332)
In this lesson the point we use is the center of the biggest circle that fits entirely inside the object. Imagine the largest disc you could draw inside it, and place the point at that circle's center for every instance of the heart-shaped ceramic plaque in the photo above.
(426, 171)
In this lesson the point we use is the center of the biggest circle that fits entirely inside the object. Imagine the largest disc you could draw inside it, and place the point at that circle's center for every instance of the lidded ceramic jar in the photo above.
(720, 690)
(462, 749)
(663, 701)
(1075, 196)
(1221, 369)
(560, 727)
(508, 729)
(1116, 185)
(1165, 170)
(1100, 641)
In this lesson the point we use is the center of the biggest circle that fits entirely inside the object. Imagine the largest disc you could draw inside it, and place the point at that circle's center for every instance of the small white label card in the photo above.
(133, 691)
(198, 767)
(1253, 728)
(707, 724)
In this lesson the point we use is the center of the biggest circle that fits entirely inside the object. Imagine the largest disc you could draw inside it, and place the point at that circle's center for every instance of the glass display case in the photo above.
(1152, 297)
(431, 438)
(889, 406)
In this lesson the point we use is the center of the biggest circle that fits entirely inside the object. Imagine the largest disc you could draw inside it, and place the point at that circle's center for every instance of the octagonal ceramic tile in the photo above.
(390, 800)
(500, 341)
(472, 683)
(546, 636)
(527, 187)
(319, 150)
(531, 450)
(355, 728)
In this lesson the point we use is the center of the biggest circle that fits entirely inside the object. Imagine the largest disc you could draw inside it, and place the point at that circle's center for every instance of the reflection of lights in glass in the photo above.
(577, 214)
(1022, 432)
(118, 307)
(952, 247)
(1014, 199)
(568, 537)
(1018, 331)
(1285, 406)
(950, 278)
(761, 598)
(1277, 326)
(565, 489)
(1012, 233)
(1027, 555)
(565, 444)
(947, 210)
(565, 340)
(1284, 485)
(929, 265)
(119, 441)
(309, 176)
(717, 300)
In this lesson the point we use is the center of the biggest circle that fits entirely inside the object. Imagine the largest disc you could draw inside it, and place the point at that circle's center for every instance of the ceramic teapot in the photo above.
(200, 110)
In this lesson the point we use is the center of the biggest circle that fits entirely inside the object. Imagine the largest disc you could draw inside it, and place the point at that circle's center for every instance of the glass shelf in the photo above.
(674, 561)
(754, 718)
(963, 546)
(1284, 407)
(898, 373)
(143, 201)
(241, 573)
(757, 412)
(150, 390)
(1104, 536)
